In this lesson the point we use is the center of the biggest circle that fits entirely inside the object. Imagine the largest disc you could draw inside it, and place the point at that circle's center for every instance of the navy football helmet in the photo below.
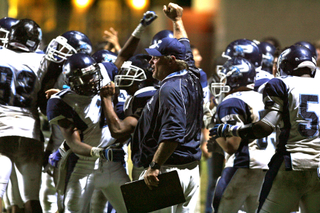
(83, 74)
(310, 47)
(136, 69)
(5, 25)
(236, 72)
(244, 48)
(104, 56)
(157, 38)
(67, 44)
(295, 57)
(25, 35)
(268, 53)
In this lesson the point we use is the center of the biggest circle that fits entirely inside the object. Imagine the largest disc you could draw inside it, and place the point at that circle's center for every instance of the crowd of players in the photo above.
(262, 114)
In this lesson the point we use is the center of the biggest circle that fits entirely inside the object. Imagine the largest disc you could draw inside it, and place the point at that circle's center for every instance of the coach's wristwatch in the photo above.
(154, 165)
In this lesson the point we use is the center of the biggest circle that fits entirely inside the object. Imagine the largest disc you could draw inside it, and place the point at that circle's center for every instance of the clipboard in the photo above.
(139, 198)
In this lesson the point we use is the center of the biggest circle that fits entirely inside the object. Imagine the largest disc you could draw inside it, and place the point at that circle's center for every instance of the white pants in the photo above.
(243, 189)
(5, 172)
(108, 178)
(80, 186)
(190, 181)
(291, 188)
(26, 155)
(48, 194)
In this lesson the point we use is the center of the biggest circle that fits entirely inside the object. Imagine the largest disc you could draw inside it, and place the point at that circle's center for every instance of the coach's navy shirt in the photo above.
(175, 114)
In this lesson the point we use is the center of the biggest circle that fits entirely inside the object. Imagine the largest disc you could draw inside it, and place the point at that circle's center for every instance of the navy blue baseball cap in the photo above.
(168, 46)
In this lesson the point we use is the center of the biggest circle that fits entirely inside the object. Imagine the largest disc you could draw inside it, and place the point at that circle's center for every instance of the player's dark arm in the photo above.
(262, 128)
(131, 44)
(257, 130)
(127, 51)
(120, 129)
(73, 139)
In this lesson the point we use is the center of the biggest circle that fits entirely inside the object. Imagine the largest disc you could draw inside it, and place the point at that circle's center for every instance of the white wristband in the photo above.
(95, 151)
(138, 31)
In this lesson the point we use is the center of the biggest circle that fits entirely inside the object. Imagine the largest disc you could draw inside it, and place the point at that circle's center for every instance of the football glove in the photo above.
(54, 158)
(224, 130)
(148, 18)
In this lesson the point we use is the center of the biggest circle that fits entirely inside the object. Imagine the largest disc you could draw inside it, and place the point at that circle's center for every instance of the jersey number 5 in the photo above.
(310, 129)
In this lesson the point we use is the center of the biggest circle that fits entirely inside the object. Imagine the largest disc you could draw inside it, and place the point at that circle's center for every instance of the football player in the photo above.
(20, 136)
(78, 113)
(249, 50)
(246, 160)
(292, 102)
(136, 78)
(58, 50)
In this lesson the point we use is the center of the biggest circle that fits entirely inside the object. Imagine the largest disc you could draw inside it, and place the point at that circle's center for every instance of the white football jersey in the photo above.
(86, 114)
(297, 99)
(19, 85)
(242, 108)
(84, 111)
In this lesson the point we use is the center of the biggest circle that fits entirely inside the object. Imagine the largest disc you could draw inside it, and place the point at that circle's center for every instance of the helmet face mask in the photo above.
(67, 44)
(89, 81)
(59, 50)
(129, 74)
(217, 89)
(4, 37)
(83, 74)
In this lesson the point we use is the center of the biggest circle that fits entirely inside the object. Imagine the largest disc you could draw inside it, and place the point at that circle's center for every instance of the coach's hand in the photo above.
(151, 178)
